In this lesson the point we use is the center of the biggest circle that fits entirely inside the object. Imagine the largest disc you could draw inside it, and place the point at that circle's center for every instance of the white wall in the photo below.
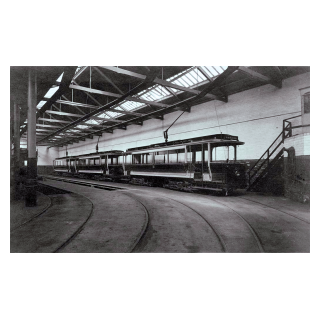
(254, 115)
(46, 156)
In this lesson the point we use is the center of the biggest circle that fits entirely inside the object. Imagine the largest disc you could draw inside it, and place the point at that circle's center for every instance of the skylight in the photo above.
(40, 104)
(60, 78)
(51, 92)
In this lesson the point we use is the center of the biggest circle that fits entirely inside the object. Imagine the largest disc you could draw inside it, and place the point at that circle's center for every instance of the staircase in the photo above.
(270, 159)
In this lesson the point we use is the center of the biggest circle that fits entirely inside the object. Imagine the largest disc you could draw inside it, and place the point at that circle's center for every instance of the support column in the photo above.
(16, 142)
(31, 184)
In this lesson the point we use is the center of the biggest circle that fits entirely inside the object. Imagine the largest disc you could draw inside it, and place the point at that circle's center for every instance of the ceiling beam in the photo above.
(142, 86)
(76, 104)
(91, 90)
(109, 80)
(45, 130)
(60, 113)
(54, 120)
(46, 125)
(152, 103)
(275, 82)
(79, 72)
(160, 81)
(125, 72)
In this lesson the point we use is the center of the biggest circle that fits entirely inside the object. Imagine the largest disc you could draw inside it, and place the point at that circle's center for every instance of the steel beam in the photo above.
(135, 99)
(159, 81)
(275, 82)
(76, 104)
(60, 113)
(142, 86)
(109, 80)
(47, 125)
(54, 120)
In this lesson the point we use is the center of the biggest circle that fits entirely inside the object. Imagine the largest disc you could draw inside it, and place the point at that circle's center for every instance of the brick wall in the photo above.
(297, 173)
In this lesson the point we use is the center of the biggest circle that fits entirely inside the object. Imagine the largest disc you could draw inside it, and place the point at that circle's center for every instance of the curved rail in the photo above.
(255, 235)
(144, 228)
(222, 243)
(277, 210)
(64, 244)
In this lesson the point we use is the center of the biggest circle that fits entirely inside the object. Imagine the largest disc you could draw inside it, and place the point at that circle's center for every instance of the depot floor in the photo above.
(127, 218)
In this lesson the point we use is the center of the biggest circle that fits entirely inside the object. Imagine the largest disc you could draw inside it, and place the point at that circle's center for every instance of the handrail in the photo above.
(270, 166)
(269, 155)
(266, 151)
(257, 168)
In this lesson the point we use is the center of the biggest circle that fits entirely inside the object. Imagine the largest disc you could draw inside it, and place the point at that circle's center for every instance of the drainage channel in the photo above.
(87, 184)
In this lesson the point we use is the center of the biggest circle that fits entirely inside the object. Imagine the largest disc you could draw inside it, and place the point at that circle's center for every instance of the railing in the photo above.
(289, 127)
(263, 164)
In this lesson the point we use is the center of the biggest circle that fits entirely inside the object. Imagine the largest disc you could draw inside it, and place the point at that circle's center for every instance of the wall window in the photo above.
(306, 102)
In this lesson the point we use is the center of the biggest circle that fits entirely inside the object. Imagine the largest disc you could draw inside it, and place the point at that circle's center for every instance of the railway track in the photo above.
(253, 232)
(85, 183)
(292, 215)
(144, 230)
(222, 243)
(250, 225)
(50, 191)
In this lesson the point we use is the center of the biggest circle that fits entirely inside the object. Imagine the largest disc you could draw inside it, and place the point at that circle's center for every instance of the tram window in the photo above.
(97, 161)
(173, 156)
(160, 157)
(181, 155)
(198, 157)
(120, 160)
(222, 153)
(103, 160)
(136, 158)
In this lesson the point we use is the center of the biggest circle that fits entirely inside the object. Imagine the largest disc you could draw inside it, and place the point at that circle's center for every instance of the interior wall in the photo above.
(255, 116)
(46, 156)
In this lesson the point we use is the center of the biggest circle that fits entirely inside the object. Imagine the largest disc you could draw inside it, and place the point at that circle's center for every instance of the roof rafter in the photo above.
(164, 83)
(216, 83)
(275, 82)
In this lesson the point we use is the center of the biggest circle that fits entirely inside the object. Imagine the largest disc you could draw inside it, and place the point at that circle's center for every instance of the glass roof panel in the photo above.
(219, 69)
(114, 114)
(60, 78)
(92, 121)
(51, 92)
(211, 71)
(40, 104)
(81, 126)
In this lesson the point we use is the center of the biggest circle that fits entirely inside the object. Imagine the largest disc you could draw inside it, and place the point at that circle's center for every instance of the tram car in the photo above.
(207, 162)
(100, 165)
(200, 163)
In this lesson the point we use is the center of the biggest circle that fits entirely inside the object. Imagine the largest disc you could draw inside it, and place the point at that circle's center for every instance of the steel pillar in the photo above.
(16, 142)
(31, 183)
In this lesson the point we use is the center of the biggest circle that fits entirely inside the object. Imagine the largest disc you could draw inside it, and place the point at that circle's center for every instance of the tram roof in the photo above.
(219, 139)
(93, 154)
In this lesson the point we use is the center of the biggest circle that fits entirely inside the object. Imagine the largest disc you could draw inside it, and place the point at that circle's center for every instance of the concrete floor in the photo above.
(144, 219)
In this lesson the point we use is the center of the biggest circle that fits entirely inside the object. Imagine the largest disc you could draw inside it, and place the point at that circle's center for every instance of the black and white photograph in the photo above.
(159, 160)
(170, 159)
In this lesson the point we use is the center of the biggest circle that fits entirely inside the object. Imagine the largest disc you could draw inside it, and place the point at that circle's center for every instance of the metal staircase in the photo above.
(271, 157)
